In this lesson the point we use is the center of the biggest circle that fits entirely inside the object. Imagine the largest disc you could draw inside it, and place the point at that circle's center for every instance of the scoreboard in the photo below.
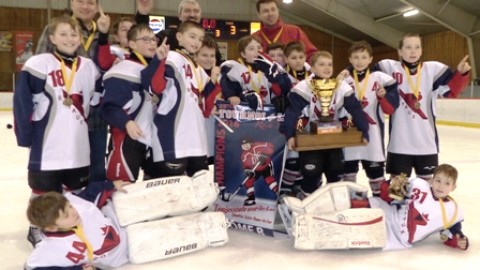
(221, 29)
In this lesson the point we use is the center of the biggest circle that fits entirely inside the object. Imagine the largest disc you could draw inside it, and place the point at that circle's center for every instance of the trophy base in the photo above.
(325, 127)
(305, 141)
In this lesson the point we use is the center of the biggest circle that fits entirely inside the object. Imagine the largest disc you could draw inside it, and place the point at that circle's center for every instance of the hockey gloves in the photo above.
(249, 173)
(280, 103)
(254, 100)
(457, 241)
(265, 64)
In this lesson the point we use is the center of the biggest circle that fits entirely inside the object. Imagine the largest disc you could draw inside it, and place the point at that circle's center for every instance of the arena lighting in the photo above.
(287, 1)
(410, 13)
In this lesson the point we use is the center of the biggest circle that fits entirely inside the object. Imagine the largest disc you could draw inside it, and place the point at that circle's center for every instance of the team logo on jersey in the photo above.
(413, 102)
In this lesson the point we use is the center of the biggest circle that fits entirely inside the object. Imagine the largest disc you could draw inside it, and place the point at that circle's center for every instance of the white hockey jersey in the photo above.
(125, 99)
(374, 150)
(56, 133)
(419, 216)
(412, 126)
(249, 80)
(106, 237)
(179, 122)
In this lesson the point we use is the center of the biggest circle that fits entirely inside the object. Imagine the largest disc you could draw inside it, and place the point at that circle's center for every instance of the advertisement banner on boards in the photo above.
(248, 166)
(23, 47)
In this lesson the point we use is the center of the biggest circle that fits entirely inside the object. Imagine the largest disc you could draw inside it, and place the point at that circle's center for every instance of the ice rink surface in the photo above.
(458, 146)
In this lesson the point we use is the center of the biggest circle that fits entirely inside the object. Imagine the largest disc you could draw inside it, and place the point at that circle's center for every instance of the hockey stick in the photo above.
(228, 197)
(223, 123)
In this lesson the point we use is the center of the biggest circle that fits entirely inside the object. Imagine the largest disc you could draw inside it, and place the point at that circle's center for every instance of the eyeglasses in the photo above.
(147, 39)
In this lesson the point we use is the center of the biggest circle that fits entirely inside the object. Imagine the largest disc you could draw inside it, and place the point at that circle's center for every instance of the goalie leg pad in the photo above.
(334, 196)
(170, 237)
(346, 229)
(161, 197)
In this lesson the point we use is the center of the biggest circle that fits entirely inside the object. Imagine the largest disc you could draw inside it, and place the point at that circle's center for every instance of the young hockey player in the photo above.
(128, 108)
(413, 141)
(426, 209)
(275, 51)
(206, 58)
(51, 105)
(296, 65)
(297, 70)
(303, 95)
(84, 12)
(378, 94)
(420, 210)
(108, 54)
(83, 231)
(180, 143)
(253, 78)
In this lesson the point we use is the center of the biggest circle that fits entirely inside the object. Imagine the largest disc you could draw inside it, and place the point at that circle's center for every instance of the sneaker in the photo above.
(250, 200)
(35, 235)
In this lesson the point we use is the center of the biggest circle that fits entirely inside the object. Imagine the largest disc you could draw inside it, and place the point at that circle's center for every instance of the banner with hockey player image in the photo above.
(248, 167)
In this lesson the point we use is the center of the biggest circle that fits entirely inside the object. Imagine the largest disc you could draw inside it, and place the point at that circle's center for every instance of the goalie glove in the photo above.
(398, 187)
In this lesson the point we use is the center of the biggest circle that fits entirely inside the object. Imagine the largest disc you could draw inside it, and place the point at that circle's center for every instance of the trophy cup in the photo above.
(325, 131)
(324, 89)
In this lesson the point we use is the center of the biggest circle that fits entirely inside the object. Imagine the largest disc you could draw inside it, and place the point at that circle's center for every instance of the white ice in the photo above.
(458, 146)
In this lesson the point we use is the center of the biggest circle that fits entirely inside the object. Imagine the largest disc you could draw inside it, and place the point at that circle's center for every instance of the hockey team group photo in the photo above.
(161, 129)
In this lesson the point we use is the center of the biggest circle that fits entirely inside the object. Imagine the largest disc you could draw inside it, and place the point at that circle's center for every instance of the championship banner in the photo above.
(248, 167)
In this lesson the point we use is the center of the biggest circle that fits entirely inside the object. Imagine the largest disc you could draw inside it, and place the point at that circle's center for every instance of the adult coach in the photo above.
(273, 30)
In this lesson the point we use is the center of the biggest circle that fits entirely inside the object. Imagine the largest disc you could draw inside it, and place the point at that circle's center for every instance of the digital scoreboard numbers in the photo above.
(220, 29)
(226, 29)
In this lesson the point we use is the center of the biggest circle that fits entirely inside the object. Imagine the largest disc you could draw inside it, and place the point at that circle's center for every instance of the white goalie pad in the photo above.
(168, 196)
(345, 229)
(170, 237)
(331, 197)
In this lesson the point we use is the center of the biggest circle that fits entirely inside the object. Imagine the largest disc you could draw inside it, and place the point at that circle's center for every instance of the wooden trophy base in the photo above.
(305, 141)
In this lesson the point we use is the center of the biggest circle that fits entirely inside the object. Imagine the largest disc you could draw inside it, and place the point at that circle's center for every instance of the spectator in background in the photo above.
(273, 30)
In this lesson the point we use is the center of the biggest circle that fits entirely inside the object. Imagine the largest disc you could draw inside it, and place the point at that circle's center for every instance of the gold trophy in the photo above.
(326, 132)
(324, 89)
